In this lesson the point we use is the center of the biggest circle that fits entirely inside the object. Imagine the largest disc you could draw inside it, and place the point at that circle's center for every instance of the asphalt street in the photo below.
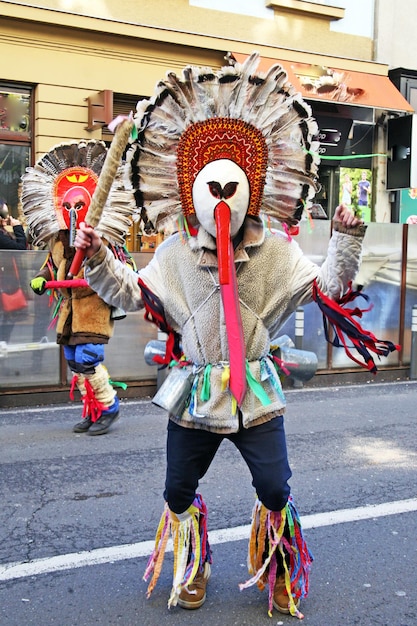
(78, 515)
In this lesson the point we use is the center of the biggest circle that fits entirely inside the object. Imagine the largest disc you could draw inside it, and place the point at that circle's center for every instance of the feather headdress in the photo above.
(70, 167)
(257, 119)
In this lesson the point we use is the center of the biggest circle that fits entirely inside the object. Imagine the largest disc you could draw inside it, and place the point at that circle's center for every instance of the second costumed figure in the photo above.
(56, 196)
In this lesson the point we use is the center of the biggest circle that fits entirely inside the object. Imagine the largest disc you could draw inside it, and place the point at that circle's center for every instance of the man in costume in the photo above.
(215, 152)
(56, 195)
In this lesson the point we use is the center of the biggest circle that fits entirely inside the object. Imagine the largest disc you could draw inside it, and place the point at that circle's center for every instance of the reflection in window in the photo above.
(13, 162)
(15, 141)
(14, 111)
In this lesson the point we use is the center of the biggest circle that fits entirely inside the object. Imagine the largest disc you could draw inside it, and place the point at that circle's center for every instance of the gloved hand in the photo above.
(38, 285)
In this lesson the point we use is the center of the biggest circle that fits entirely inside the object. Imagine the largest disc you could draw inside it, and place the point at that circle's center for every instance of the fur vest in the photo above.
(83, 316)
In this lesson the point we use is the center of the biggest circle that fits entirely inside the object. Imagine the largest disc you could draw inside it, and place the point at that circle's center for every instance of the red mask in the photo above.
(73, 190)
(76, 199)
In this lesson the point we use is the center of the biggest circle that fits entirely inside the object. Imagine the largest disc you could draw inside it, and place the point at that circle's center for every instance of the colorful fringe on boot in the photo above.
(280, 531)
(190, 544)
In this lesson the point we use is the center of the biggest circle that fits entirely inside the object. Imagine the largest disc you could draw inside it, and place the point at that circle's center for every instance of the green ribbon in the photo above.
(289, 520)
(134, 133)
(57, 305)
(117, 384)
(256, 387)
(346, 157)
(205, 389)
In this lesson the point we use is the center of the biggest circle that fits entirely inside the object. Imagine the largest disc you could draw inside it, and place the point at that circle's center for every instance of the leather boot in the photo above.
(280, 601)
(194, 596)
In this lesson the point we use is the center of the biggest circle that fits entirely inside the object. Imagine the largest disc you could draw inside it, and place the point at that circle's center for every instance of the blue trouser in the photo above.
(191, 451)
(84, 357)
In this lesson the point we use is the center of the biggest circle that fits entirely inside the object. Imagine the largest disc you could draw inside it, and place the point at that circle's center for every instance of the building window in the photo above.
(15, 141)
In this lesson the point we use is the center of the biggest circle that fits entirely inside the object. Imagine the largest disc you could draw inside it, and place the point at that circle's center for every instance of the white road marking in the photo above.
(11, 571)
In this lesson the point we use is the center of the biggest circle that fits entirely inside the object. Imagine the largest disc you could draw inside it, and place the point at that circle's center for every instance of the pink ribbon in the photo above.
(118, 120)
(68, 284)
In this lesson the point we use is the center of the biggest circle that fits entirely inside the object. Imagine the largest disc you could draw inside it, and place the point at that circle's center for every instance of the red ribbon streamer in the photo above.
(231, 306)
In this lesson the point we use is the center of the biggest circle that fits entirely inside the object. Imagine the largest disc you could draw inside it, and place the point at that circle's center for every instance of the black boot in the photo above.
(83, 426)
(102, 425)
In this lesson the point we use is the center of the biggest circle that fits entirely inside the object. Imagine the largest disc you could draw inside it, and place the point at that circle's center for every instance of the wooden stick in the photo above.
(105, 181)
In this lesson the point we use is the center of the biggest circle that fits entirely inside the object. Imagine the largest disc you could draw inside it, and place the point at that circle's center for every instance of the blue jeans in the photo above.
(191, 451)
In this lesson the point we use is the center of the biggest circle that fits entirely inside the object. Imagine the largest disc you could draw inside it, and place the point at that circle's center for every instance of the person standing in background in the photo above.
(347, 191)
(12, 237)
(364, 190)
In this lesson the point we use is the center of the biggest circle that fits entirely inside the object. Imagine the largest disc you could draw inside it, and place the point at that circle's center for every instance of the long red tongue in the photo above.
(222, 217)
(230, 299)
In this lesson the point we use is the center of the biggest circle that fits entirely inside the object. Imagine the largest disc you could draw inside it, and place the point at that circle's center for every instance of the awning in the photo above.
(316, 82)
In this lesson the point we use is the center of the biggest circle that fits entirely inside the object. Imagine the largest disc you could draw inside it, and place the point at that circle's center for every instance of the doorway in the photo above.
(328, 195)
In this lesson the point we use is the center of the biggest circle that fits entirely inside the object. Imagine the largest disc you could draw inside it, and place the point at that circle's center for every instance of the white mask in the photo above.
(221, 180)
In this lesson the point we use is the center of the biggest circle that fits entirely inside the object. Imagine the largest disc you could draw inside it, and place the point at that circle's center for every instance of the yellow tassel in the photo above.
(159, 552)
(257, 560)
(292, 607)
(196, 535)
(225, 377)
(262, 531)
(158, 565)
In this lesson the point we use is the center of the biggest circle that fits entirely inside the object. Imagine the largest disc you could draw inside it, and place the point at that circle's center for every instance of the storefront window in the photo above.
(15, 142)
